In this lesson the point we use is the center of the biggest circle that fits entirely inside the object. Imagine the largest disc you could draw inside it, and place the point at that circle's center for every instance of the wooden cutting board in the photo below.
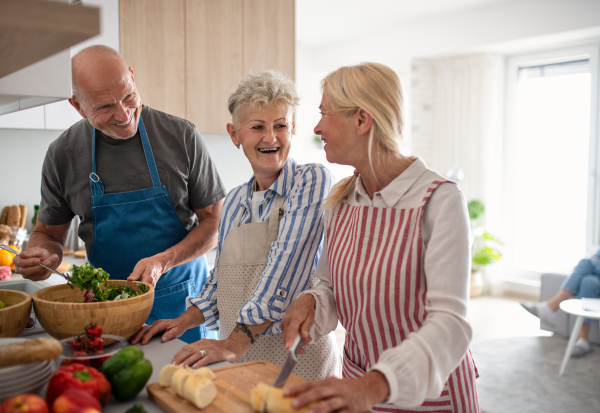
(234, 384)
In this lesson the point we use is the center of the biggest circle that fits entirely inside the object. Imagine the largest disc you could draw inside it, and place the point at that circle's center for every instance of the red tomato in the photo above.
(94, 345)
(94, 330)
(77, 344)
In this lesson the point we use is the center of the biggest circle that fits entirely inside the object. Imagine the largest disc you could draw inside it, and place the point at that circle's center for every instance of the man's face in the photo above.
(111, 105)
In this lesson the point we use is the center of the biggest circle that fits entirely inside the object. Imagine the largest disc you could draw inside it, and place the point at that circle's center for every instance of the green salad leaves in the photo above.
(89, 280)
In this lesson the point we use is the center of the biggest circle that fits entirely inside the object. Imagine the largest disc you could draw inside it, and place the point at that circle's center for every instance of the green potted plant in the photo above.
(485, 248)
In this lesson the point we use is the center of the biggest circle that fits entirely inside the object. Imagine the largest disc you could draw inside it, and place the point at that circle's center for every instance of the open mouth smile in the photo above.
(268, 150)
(124, 125)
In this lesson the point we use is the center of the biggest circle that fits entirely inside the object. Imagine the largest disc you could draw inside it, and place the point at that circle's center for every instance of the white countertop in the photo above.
(160, 354)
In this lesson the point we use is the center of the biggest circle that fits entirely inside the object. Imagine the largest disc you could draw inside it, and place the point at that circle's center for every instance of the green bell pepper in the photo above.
(128, 372)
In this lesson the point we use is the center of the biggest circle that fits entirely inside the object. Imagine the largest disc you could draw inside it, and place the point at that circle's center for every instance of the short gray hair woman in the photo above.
(270, 234)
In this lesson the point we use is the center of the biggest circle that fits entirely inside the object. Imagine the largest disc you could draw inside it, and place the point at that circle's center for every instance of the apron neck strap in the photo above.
(149, 156)
(96, 184)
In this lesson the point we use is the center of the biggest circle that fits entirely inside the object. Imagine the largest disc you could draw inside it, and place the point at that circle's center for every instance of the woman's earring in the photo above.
(238, 146)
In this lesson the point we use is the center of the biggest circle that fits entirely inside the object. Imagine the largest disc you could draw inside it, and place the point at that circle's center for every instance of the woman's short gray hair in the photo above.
(262, 89)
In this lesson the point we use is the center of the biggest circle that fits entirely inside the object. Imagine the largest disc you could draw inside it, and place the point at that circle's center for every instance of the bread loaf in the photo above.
(178, 380)
(166, 374)
(204, 373)
(14, 216)
(23, 210)
(276, 403)
(4, 234)
(4, 216)
(199, 392)
(29, 351)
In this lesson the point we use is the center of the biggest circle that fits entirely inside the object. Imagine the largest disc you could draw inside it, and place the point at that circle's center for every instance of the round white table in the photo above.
(573, 307)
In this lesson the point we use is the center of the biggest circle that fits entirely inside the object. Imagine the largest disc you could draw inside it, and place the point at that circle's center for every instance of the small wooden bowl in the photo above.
(14, 317)
(62, 312)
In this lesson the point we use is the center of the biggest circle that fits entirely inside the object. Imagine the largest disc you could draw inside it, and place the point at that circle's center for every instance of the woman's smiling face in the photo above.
(266, 136)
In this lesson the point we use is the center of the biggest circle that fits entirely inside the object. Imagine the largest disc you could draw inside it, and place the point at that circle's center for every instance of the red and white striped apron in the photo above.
(375, 257)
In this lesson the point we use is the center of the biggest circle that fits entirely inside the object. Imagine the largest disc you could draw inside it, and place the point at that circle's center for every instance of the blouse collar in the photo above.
(396, 189)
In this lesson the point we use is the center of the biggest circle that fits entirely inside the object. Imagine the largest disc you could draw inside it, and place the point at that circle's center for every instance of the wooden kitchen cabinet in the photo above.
(152, 42)
(189, 55)
(269, 36)
(214, 50)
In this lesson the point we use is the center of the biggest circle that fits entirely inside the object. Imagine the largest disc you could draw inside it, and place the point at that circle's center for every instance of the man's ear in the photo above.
(364, 121)
(75, 103)
(131, 71)
(232, 134)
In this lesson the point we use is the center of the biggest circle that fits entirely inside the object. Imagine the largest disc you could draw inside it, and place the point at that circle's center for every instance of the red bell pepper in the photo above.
(78, 376)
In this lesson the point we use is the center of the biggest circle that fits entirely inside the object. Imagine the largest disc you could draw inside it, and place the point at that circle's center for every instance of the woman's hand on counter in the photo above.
(344, 395)
(299, 317)
(214, 351)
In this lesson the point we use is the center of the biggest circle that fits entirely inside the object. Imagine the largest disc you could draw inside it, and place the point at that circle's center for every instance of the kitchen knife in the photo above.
(289, 364)
(286, 369)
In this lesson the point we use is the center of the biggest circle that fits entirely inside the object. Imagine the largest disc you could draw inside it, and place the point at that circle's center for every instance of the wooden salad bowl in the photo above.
(14, 317)
(62, 312)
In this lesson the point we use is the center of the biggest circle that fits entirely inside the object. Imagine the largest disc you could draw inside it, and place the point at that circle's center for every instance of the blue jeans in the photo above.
(584, 282)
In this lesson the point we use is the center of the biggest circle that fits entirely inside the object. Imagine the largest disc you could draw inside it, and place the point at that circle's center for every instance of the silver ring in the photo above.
(202, 353)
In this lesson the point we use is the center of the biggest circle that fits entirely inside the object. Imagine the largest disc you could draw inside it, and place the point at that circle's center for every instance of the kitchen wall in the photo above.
(21, 156)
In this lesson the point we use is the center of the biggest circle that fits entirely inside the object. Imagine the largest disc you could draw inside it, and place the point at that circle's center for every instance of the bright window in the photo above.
(551, 170)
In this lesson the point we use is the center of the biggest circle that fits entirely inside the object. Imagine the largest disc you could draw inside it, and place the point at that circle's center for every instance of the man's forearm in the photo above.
(51, 239)
(198, 242)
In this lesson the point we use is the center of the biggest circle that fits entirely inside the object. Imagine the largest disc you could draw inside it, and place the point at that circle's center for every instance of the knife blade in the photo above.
(289, 364)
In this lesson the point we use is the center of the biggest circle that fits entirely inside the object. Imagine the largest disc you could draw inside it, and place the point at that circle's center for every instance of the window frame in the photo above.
(513, 63)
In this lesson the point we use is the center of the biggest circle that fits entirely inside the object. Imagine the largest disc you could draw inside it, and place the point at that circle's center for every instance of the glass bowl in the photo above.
(111, 344)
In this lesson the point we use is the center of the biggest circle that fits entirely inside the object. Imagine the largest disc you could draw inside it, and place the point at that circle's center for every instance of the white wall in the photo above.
(21, 156)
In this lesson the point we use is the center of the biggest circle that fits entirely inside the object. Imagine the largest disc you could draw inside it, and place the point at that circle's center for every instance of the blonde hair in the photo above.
(376, 89)
(261, 90)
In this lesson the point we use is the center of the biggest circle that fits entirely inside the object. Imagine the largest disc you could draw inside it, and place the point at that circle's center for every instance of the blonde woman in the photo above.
(395, 263)
(270, 234)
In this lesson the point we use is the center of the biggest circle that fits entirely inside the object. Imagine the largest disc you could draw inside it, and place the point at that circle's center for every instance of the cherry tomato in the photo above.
(94, 330)
(77, 344)
(94, 345)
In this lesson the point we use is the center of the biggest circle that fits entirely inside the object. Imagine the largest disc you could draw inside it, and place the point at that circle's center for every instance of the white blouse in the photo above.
(418, 368)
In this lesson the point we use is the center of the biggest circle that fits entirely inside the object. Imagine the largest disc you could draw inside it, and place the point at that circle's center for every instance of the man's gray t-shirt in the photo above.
(182, 160)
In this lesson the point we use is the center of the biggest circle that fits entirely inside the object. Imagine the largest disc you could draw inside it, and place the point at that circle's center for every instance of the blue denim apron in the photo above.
(130, 226)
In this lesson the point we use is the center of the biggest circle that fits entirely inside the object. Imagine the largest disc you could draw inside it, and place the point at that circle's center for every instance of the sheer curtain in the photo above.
(468, 128)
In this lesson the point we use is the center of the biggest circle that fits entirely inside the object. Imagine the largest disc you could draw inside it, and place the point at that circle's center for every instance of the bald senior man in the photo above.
(142, 183)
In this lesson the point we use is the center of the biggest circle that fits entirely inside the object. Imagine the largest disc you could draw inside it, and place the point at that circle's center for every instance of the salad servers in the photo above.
(9, 249)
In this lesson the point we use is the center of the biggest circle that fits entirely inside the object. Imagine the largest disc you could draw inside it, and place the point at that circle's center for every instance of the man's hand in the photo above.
(28, 262)
(172, 329)
(341, 395)
(299, 317)
(148, 270)
(215, 350)
(45, 246)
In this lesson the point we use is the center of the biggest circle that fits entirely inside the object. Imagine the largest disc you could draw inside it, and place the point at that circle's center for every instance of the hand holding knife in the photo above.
(286, 369)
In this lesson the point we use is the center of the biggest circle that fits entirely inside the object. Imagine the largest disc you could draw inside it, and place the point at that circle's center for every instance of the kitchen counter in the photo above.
(160, 354)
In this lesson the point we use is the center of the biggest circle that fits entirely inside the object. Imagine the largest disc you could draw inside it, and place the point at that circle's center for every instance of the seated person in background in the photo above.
(270, 235)
(584, 282)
